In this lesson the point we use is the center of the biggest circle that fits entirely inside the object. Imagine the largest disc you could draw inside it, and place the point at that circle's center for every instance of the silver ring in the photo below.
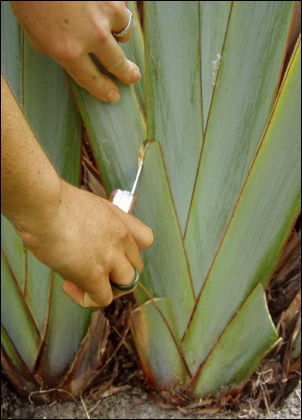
(128, 286)
(127, 29)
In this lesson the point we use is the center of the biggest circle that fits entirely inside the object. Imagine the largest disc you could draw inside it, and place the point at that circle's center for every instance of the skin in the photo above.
(81, 236)
(69, 30)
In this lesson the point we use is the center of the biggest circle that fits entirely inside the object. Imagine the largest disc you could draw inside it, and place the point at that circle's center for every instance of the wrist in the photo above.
(36, 220)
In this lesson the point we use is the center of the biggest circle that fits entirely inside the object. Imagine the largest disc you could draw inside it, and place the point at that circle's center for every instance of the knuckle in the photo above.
(102, 33)
(108, 260)
(98, 272)
(95, 274)
(65, 52)
(124, 235)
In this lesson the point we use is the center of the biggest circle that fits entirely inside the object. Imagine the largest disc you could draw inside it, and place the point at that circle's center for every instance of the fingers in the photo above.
(87, 75)
(141, 233)
(99, 298)
(112, 57)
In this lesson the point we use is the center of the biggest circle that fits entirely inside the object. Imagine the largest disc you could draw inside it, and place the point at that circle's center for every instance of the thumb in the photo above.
(74, 292)
(83, 298)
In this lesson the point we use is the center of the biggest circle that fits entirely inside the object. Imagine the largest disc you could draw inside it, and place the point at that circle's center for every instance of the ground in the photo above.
(133, 403)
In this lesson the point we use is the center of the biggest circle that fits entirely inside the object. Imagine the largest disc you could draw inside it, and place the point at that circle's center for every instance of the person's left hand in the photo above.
(69, 30)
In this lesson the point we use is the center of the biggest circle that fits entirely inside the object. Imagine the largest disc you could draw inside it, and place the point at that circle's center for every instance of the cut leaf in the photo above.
(116, 132)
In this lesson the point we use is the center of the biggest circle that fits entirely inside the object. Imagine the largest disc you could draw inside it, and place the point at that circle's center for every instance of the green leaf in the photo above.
(264, 216)
(297, 346)
(51, 112)
(12, 354)
(173, 75)
(163, 365)
(68, 324)
(14, 249)
(245, 90)
(18, 321)
(37, 288)
(239, 350)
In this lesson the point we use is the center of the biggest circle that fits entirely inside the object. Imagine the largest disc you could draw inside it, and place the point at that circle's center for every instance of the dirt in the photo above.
(131, 404)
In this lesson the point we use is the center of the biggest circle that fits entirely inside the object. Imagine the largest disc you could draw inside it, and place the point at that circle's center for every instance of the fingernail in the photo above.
(136, 76)
(113, 96)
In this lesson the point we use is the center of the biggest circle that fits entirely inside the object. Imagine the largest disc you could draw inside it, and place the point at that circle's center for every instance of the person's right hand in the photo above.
(69, 30)
(89, 241)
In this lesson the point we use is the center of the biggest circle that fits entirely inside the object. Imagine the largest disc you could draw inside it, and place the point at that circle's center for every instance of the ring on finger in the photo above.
(127, 28)
(128, 286)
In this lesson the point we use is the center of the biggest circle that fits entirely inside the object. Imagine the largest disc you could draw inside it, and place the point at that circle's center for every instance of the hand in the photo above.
(89, 241)
(69, 30)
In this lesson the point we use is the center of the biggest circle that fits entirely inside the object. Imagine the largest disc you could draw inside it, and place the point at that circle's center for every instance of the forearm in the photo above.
(30, 186)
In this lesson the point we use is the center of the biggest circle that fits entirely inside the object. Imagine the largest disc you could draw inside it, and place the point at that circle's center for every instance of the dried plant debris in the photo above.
(286, 281)
(91, 178)
(284, 298)
(135, 403)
